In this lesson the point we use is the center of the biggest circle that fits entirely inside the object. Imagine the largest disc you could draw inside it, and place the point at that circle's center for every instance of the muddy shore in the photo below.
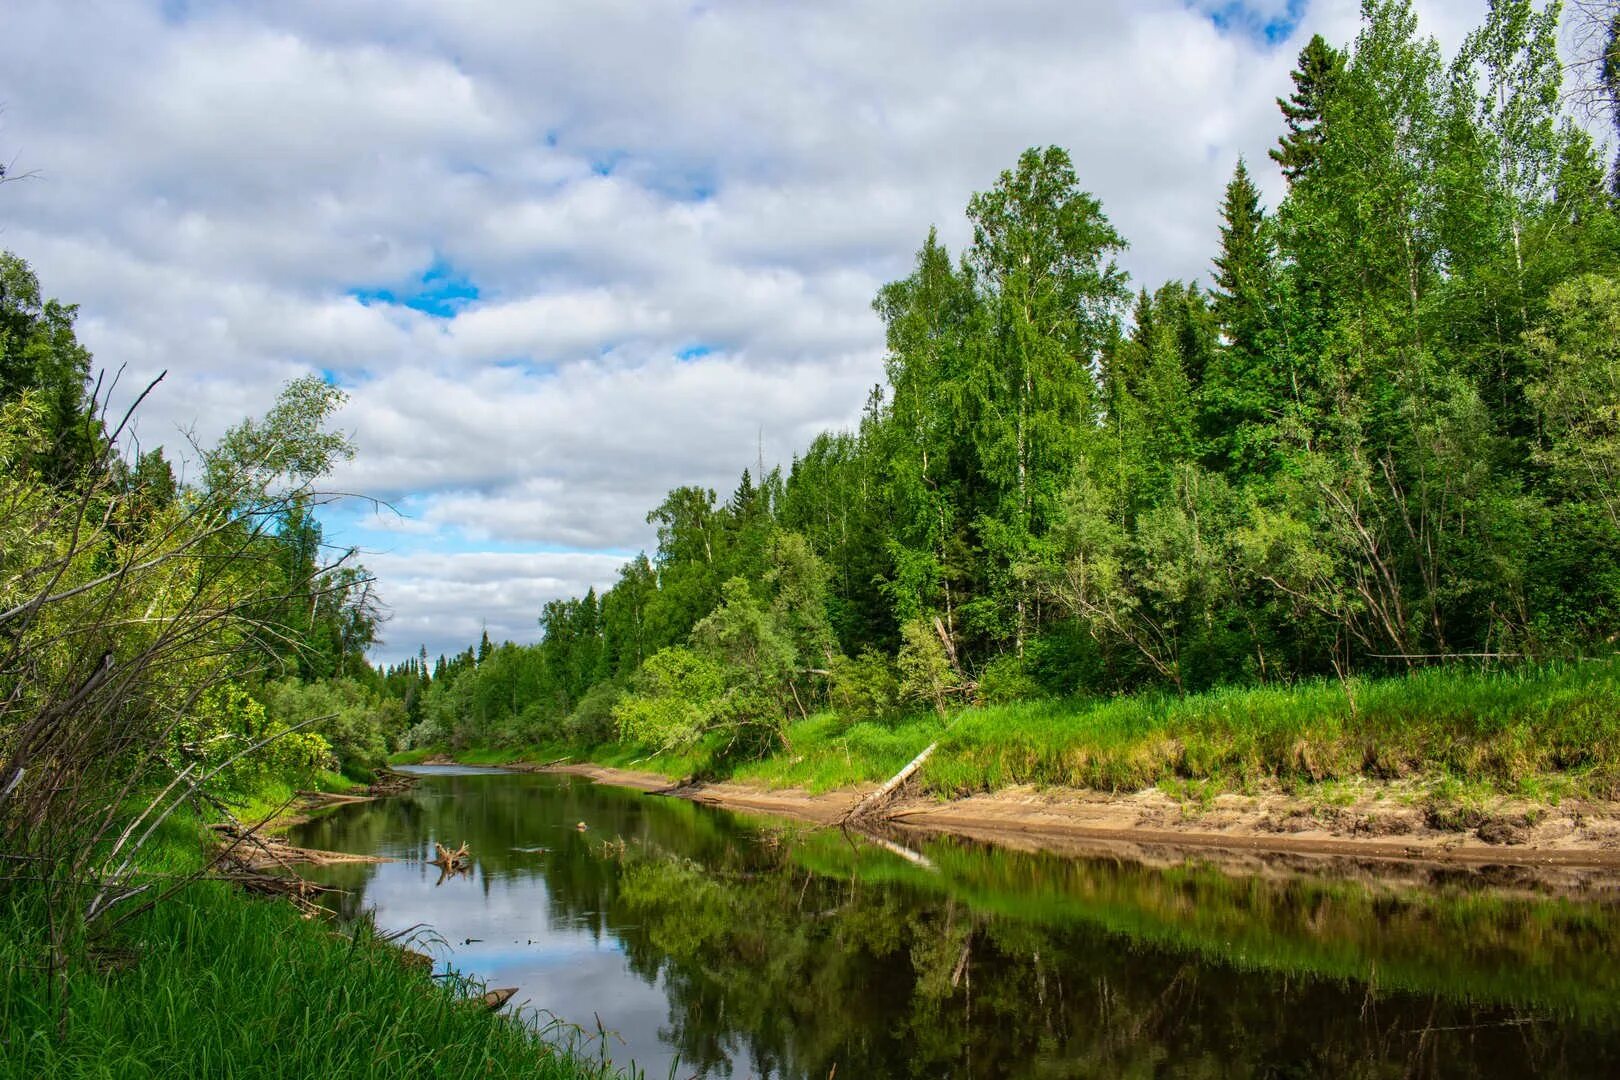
(1575, 845)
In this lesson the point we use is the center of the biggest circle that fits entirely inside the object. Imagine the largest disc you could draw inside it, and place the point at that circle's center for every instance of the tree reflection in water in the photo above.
(785, 952)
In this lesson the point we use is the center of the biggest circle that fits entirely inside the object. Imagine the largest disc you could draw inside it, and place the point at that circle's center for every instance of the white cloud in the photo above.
(446, 600)
(620, 181)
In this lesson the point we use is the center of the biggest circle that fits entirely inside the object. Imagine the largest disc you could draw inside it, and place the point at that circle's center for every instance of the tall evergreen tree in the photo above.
(1244, 390)
(1304, 111)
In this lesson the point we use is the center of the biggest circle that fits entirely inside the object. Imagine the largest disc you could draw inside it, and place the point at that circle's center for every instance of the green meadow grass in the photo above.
(213, 982)
(1537, 732)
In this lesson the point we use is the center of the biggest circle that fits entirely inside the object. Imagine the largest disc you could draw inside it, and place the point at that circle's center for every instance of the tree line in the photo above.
(1386, 433)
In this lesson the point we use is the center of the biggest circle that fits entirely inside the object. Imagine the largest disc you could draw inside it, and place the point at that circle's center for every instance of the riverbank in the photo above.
(1383, 823)
(212, 981)
(1443, 765)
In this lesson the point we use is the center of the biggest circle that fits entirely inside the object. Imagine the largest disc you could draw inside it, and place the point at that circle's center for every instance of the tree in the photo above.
(1042, 259)
(1305, 110)
(1247, 386)
(673, 699)
(757, 658)
(926, 673)
(40, 355)
(1575, 389)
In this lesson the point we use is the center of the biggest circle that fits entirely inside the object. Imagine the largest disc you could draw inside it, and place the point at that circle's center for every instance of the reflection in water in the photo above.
(747, 948)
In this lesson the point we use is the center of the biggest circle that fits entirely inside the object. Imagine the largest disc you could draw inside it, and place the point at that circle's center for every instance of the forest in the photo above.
(1350, 507)
(1383, 437)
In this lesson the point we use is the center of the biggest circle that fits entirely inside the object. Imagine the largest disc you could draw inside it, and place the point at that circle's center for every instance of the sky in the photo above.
(566, 256)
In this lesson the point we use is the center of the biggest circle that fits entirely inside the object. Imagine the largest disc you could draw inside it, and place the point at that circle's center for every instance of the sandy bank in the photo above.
(1576, 842)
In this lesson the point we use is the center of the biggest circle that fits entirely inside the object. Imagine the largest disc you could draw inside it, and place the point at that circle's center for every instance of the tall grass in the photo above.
(1505, 731)
(213, 983)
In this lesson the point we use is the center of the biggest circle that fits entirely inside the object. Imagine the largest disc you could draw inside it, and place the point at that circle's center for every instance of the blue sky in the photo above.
(565, 257)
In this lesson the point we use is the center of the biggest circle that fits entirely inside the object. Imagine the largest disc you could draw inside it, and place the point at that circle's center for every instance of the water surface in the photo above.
(716, 945)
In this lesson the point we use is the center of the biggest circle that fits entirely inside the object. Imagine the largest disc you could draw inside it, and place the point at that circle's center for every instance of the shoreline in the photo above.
(1565, 842)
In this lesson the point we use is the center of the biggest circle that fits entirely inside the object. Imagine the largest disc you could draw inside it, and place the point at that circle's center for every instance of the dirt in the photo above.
(1503, 840)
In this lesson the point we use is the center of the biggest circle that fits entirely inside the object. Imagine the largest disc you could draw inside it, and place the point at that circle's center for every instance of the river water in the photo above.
(708, 944)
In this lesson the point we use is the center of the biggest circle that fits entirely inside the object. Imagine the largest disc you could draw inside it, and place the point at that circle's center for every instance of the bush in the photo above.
(592, 721)
(360, 726)
(864, 688)
(673, 701)
(1007, 678)
(225, 722)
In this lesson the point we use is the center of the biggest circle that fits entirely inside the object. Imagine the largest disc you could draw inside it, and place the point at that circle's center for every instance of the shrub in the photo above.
(865, 687)
(673, 701)
(592, 721)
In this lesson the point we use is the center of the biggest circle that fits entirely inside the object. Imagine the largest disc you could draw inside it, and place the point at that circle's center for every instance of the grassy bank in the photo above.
(212, 982)
(1539, 732)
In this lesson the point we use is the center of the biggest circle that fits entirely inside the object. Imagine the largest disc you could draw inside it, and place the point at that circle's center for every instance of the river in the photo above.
(707, 944)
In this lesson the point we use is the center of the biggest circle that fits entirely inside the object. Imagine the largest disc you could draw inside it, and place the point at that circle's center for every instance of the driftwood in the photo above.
(450, 863)
(389, 782)
(251, 850)
(244, 858)
(332, 797)
(494, 999)
(450, 860)
(872, 803)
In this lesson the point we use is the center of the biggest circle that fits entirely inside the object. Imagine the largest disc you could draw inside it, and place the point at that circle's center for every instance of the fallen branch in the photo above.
(873, 802)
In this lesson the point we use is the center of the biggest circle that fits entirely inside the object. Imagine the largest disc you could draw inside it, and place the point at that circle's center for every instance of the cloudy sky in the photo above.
(567, 255)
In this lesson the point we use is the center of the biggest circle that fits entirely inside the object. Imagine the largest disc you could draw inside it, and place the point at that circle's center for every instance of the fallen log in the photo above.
(332, 797)
(256, 851)
(873, 802)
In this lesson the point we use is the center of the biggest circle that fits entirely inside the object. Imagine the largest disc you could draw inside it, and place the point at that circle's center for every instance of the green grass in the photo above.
(1540, 733)
(213, 982)
(277, 794)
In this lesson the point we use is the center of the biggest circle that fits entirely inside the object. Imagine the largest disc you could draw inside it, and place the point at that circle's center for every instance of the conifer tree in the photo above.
(1243, 388)
(1304, 111)
(1243, 265)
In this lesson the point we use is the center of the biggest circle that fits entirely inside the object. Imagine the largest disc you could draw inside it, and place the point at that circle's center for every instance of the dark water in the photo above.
(716, 945)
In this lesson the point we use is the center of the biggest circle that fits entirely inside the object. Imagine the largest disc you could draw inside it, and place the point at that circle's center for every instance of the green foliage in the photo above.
(673, 700)
(1304, 111)
(360, 726)
(40, 356)
(227, 722)
(1575, 389)
(865, 687)
(593, 721)
(1005, 679)
(289, 445)
(749, 646)
(926, 674)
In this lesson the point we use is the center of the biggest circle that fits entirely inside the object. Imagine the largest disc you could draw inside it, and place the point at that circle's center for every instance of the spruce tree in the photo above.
(1304, 111)
(1241, 393)
(1243, 264)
